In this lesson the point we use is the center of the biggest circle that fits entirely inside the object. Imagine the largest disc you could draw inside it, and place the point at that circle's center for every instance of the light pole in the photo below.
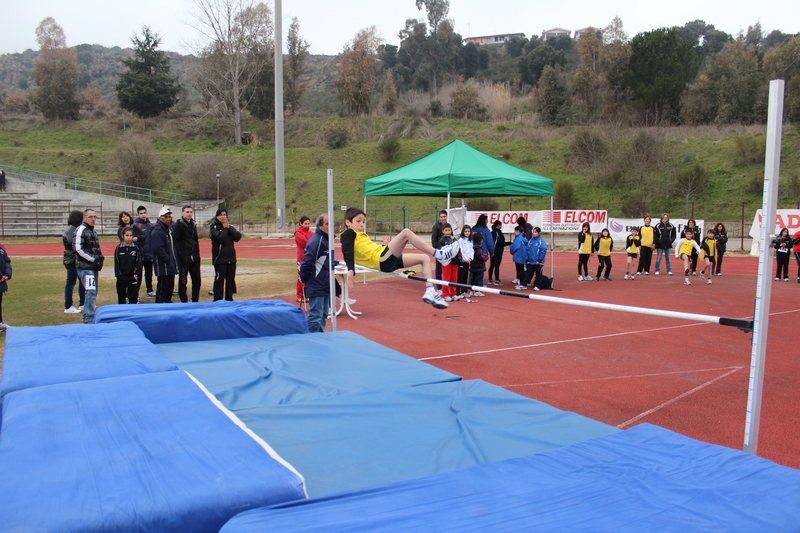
(217, 191)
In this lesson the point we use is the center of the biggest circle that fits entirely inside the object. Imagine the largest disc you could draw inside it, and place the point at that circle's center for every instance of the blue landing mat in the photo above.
(204, 321)
(77, 352)
(644, 479)
(361, 439)
(131, 454)
(262, 372)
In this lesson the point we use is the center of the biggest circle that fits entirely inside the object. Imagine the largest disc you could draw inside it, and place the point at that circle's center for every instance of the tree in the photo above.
(553, 101)
(296, 66)
(444, 44)
(239, 35)
(515, 46)
(661, 67)
(532, 64)
(134, 160)
(691, 182)
(389, 94)
(466, 103)
(55, 74)
(437, 12)
(356, 71)
(147, 89)
(585, 81)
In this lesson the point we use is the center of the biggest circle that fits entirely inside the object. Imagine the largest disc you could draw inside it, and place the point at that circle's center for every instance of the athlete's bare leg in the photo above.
(398, 243)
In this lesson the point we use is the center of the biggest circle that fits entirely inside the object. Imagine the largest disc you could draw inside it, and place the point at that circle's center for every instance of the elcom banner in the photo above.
(561, 221)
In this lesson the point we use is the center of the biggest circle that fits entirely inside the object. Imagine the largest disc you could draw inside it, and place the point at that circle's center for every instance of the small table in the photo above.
(344, 305)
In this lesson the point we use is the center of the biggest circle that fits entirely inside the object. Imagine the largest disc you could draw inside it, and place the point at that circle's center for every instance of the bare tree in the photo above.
(237, 33)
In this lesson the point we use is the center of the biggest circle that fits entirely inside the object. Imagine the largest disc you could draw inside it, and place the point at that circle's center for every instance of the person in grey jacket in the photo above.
(88, 261)
(74, 220)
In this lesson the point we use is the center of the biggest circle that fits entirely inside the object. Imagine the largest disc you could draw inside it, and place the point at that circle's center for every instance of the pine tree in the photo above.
(147, 89)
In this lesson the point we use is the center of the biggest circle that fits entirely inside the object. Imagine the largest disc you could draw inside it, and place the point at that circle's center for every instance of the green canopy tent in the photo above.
(457, 169)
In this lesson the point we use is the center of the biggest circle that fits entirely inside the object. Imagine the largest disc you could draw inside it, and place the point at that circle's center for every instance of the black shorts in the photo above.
(390, 263)
(633, 255)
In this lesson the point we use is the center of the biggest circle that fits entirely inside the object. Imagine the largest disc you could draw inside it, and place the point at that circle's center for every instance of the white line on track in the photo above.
(625, 377)
(676, 398)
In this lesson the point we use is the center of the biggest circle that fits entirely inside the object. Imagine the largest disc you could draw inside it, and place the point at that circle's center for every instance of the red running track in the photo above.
(619, 368)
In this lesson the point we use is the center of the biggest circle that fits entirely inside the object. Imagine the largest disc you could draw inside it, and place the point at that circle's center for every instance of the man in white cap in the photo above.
(165, 263)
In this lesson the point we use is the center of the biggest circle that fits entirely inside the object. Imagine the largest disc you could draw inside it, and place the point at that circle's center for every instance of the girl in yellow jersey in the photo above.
(647, 234)
(357, 247)
(603, 246)
(585, 244)
(709, 255)
(632, 246)
(684, 249)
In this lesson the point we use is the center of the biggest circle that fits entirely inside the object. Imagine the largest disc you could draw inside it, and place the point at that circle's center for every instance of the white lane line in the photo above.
(624, 377)
(676, 398)
(495, 350)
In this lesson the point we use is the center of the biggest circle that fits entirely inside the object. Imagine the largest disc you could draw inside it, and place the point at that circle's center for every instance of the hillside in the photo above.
(636, 173)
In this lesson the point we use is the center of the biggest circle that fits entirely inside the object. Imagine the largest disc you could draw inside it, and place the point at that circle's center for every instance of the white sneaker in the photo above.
(151, 294)
(686, 281)
(445, 254)
(520, 287)
(580, 278)
(80, 308)
(647, 273)
(351, 301)
(776, 279)
(448, 299)
(4, 326)
(478, 293)
(638, 273)
(626, 277)
(702, 275)
(72, 310)
(433, 298)
(669, 273)
(515, 281)
(709, 281)
(536, 288)
(656, 272)
(498, 282)
(785, 279)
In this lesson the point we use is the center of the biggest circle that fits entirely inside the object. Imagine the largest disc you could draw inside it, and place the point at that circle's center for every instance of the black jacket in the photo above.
(87, 249)
(145, 226)
(664, 235)
(222, 239)
(164, 261)
(187, 246)
(5, 268)
(722, 241)
(68, 239)
(127, 262)
(436, 233)
(499, 241)
(315, 269)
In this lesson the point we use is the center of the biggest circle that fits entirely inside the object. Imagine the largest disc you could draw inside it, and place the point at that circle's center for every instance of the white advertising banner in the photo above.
(562, 220)
(784, 218)
(620, 228)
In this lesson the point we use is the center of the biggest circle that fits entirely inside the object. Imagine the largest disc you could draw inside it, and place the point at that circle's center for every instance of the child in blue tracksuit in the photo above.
(519, 252)
(537, 253)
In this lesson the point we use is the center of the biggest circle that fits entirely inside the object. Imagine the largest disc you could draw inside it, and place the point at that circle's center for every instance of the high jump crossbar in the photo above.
(741, 323)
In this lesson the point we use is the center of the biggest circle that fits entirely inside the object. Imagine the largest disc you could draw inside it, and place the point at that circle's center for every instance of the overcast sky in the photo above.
(327, 25)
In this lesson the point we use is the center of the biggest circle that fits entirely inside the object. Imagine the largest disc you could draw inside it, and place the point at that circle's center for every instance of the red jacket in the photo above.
(301, 237)
(796, 241)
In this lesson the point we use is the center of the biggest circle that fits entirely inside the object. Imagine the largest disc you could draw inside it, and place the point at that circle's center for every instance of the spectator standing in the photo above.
(74, 220)
(633, 243)
(721, 235)
(437, 232)
(2, 180)
(165, 262)
(478, 265)
(187, 249)
(783, 250)
(5, 275)
(664, 237)
(127, 268)
(647, 234)
(481, 226)
(449, 271)
(519, 252)
(145, 226)
(465, 255)
(796, 250)
(499, 245)
(315, 273)
(536, 257)
(585, 251)
(88, 261)
(301, 237)
(223, 255)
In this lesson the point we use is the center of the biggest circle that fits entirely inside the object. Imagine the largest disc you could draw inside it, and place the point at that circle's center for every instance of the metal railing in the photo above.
(100, 187)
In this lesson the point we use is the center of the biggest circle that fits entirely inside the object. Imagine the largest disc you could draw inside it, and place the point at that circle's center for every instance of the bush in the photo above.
(647, 149)
(134, 161)
(750, 150)
(236, 183)
(17, 102)
(435, 109)
(389, 147)
(336, 133)
(465, 103)
(635, 205)
(588, 148)
(564, 195)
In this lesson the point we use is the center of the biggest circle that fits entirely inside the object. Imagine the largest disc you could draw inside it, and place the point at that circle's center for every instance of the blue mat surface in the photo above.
(36, 356)
(263, 372)
(641, 480)
(361, 439)
(205, 321)
(131, 454)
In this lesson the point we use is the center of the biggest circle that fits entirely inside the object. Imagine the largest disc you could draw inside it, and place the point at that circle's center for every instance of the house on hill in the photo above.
(580, 32)
(499, 38)
(555, 32)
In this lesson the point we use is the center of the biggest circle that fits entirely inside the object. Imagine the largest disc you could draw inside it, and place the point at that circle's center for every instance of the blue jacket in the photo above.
(165, 263)
(519, 249)
(145, 226)
(537, 250)
(315, 269)
(488, 241)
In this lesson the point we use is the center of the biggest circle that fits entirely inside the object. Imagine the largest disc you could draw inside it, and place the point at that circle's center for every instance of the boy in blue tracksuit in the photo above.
(315, 274)
(537, 253)
(519, 252)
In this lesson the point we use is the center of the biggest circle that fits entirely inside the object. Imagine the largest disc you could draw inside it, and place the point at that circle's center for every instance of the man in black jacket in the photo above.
(315, 273)
(88, 261)
(187, 249)
(663, 239)
(223, 255)
(164, 259)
